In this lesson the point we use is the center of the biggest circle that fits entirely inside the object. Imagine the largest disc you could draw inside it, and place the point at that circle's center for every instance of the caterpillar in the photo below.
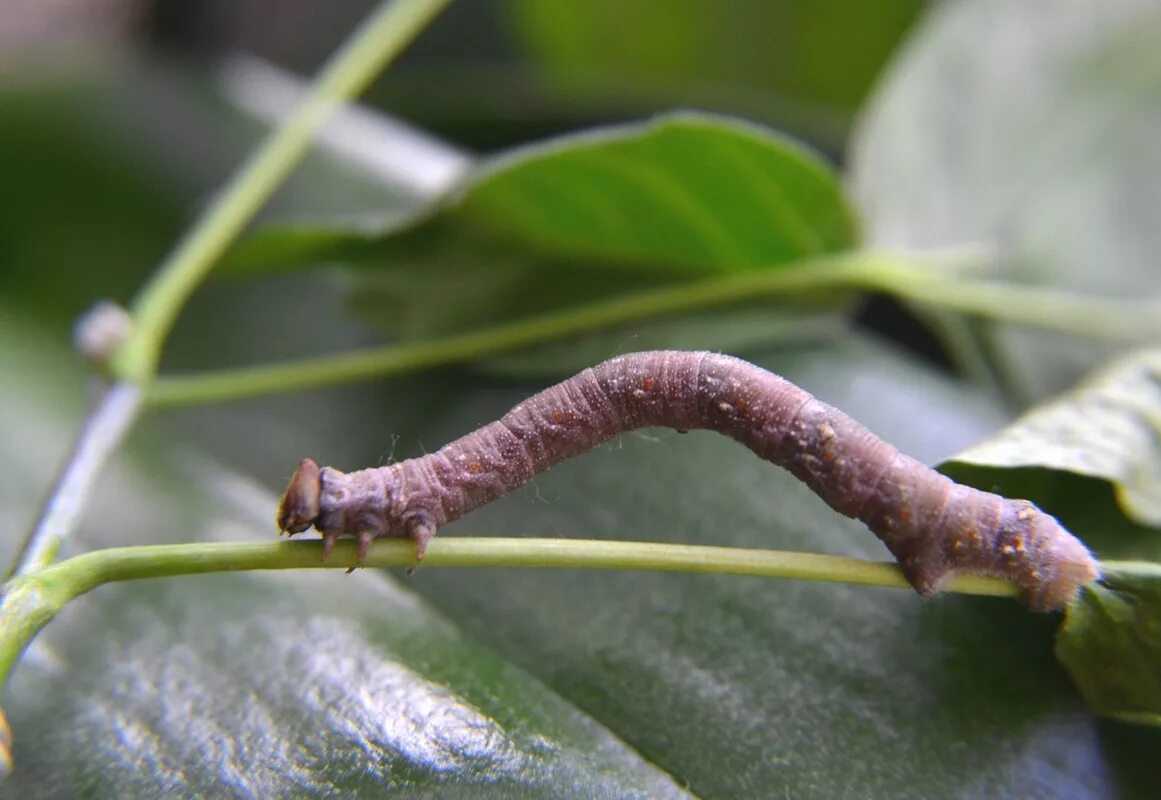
(932, 525)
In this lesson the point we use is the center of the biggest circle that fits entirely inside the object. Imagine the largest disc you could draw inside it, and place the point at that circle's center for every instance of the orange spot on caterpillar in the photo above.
(648, 384)
(828, 438)
(968, 539)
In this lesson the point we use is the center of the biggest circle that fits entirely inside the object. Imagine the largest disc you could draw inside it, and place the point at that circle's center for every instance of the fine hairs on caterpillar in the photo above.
(932, 525)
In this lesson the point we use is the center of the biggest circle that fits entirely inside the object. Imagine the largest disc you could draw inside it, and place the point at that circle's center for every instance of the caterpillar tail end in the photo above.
(1048, 574)
(1068, 565)
(299, 508)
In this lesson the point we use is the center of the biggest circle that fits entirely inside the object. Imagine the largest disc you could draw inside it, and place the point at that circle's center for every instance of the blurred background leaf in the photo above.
(1033, 133)
(784, 49)
(83, 217)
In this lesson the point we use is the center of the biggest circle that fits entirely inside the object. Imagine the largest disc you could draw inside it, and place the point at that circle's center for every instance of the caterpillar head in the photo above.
(300, 504)
(340, 504)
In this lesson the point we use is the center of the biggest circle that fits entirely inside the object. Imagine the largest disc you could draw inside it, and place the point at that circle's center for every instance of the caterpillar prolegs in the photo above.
(932, 525)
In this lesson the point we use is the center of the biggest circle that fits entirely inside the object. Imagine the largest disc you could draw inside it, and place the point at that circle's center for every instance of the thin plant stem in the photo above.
(374, 362)
(1056, 310)
(107, 424)
(864, 270)
(377, 41)
(37, 597)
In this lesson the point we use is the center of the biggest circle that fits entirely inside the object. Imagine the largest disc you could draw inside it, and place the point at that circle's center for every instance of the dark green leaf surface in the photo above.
(264, 685)
(551, 684)
(788, 689)
(1034, 133)
(1111, 643)
(1109, 428)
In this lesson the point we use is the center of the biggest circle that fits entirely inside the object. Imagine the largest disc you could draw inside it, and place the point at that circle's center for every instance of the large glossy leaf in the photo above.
(264, 685)
(1032, 131)
(792, 689)
(577, 684)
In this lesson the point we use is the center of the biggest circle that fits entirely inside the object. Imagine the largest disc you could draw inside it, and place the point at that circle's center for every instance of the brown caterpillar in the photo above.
(931, 524)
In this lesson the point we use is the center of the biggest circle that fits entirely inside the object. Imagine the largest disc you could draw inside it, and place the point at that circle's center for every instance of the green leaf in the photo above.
(1111, 643)
(536, 684)
(1033, 133)
(264, 685)
(281, 685)
(1109, 428)
(583, 218)
(839, 683)
(690, 193)
(683, 194)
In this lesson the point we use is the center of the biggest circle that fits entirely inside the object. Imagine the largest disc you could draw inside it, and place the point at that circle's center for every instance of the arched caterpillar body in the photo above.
(932, 525)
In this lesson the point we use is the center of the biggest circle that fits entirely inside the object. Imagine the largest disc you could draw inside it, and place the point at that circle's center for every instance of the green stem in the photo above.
(101, 433)
(373, 362)
(864, 270)
(380, 38)
(34, 599)
(1048, 309)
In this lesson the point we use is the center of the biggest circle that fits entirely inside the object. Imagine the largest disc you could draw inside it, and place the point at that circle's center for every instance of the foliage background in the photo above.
(478, 683)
